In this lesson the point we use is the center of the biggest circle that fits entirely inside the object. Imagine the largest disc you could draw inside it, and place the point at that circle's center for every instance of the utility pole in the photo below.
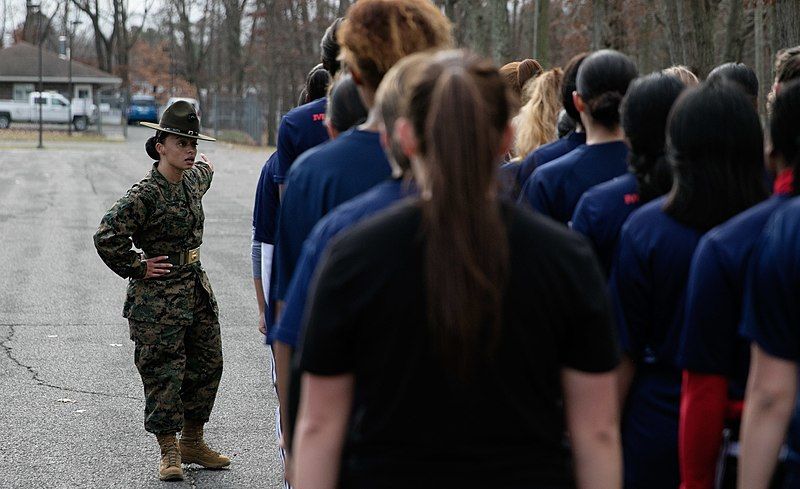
(71, 34)
(37, 10)
(172, 57)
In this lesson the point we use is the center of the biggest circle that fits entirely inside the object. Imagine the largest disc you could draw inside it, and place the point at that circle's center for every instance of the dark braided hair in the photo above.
(644, 113)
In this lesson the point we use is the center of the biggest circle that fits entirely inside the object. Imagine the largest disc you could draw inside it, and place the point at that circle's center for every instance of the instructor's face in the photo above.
(178, 152)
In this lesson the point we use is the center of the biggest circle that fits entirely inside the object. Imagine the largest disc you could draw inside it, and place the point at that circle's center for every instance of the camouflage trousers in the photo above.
(180, 366)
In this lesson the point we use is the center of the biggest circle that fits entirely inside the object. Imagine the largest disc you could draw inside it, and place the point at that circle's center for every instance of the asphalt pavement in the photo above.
(71, 400)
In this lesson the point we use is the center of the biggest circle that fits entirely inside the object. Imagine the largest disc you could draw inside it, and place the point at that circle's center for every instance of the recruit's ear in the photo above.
(578, 101)
(404, 135)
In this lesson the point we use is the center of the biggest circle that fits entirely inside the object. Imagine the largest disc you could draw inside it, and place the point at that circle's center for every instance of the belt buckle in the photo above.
(192, 255)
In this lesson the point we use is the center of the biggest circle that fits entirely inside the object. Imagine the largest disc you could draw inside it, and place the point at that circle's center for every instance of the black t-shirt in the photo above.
(414, 424)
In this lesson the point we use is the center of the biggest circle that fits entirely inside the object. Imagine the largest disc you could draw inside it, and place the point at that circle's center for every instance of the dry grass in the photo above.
(56, 136)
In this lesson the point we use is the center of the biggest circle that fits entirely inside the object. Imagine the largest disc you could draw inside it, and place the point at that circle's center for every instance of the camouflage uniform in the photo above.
(174, 318)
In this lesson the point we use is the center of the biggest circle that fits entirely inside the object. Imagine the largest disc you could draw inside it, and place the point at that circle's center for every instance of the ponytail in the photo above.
(461, 110)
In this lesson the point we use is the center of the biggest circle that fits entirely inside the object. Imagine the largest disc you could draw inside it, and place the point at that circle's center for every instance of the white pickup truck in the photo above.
(55, 109)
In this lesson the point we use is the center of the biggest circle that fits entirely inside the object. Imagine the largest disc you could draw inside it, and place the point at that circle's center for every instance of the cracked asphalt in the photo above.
(71, 401)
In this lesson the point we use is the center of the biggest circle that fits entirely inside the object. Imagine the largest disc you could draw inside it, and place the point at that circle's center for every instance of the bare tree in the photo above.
(787, 21)
(232, 32)
(734, 42)
(500, 29)
(541, 31)
(112, 49)
(3, 22)
(194, 39)
(599, 10)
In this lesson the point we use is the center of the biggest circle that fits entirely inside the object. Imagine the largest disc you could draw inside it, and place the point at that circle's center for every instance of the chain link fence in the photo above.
(240, 120)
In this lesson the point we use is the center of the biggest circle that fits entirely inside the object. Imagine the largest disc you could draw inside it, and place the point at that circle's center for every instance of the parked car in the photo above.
(192, 101)
(55, 109)
(143, 108)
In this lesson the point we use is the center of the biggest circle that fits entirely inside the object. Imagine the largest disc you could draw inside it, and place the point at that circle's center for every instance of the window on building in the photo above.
(22, 90)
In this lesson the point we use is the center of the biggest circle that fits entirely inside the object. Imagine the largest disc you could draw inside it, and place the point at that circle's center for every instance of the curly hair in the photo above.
(537, 120)
(376, 34)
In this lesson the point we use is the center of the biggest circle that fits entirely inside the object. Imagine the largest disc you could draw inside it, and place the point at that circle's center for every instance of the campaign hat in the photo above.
(181, 119)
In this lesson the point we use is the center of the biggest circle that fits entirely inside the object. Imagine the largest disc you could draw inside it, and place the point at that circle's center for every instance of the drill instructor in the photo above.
(170, 306)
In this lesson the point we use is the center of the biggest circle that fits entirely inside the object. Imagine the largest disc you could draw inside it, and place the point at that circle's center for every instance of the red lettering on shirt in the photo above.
(318, 117)
(631, 199)
(784, 182)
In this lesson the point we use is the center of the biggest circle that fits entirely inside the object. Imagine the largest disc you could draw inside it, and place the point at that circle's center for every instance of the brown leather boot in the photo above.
(195, 451)
(170, 467)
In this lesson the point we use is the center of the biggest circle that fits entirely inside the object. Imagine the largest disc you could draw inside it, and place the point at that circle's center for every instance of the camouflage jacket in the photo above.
(159, 218)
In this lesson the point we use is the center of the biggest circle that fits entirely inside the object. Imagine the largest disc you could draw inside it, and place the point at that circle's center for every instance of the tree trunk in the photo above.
(476, 34)
(541, 31)
(3, 21)
(682, 32)
(102, 44)
(645, 36)
(758, 43)
(233, 47)
(670, 23)
(787, 22)
(500, 31)
(599, 11)
(703, 25)
(734, 41)
(615, 10)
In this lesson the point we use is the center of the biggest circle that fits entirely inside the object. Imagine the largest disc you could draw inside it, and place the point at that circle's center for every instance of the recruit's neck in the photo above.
(599, 134)
(373, 122)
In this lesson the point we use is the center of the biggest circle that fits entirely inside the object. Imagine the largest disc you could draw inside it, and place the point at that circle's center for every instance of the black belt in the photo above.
(180, 258)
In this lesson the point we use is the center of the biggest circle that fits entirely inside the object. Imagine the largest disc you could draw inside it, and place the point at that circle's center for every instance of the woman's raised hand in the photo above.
(206, 161)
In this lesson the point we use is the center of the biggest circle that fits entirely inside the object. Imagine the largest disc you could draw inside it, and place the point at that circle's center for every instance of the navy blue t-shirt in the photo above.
(267, 202)
(648, 281)
(555, 188)
(301, 128)
(602, 211)
(343, 217)
(321, 179)
(507, 179)
(547, 153)
(771, 316)
(710, 343)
